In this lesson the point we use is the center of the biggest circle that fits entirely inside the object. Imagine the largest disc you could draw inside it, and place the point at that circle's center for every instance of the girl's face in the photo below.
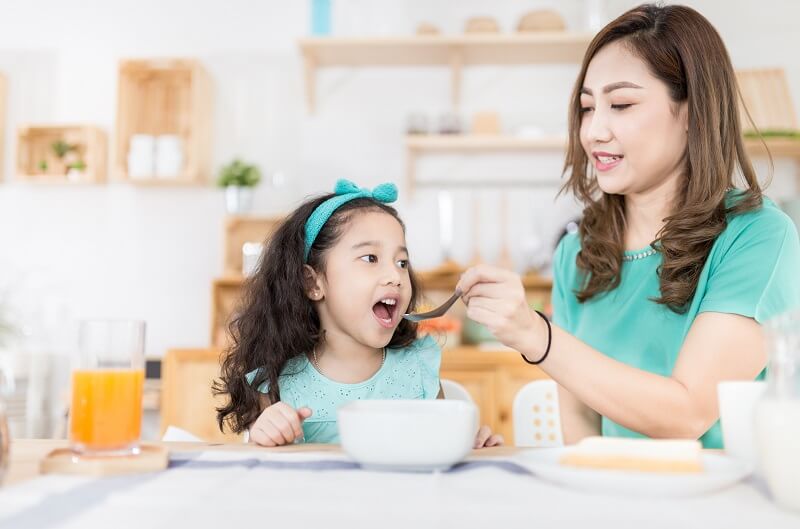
(366, 287)
(631, 130)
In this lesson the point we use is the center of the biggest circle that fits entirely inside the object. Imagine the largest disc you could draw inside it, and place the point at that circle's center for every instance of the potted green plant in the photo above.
(238, 178)
(75, 170)
(61, 149)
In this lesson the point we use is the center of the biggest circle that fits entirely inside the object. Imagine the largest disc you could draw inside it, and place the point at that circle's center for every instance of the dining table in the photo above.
(214, 485)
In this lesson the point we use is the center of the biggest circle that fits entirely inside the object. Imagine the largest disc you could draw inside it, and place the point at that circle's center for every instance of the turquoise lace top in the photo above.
(408, 373)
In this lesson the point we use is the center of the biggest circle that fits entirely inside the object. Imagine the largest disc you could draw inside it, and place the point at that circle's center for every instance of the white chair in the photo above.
(537, 422)
(455, 391)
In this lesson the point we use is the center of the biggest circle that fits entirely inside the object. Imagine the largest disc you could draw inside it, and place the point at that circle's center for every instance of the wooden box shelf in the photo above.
(225, 294)
(240, 229)
(38, 161)
(171, 97)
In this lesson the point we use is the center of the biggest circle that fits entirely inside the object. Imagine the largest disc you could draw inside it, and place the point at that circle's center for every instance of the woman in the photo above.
(662, 292)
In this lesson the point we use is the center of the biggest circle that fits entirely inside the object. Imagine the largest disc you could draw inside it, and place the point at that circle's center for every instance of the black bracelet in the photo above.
(549, 341)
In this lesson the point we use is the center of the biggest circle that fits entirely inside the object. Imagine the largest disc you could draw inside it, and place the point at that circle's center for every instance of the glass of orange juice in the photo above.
(106, 411)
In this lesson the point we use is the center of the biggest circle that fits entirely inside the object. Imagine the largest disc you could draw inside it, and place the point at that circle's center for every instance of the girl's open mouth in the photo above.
(385, 311)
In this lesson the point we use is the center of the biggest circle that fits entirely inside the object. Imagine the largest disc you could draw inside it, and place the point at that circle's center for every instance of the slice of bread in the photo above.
(643, 455)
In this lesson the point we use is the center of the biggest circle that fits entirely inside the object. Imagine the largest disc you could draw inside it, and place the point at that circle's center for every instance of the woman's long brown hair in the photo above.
(683, 50)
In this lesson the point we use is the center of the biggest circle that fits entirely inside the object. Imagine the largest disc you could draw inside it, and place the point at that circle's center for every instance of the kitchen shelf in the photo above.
(447, 280)
(457, 51)
(467, 144)
(778, 147)
(166, 97)
(482, 142)
(419, 145)
(35, 145)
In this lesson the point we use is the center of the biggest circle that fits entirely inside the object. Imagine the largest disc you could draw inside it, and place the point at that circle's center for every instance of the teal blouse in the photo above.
(408, 373)
(753, 270)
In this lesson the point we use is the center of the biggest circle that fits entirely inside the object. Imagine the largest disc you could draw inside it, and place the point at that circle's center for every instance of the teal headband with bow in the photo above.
(345, 191)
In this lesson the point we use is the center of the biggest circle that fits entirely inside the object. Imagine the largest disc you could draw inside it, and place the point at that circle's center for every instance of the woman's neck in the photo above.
(645, 213)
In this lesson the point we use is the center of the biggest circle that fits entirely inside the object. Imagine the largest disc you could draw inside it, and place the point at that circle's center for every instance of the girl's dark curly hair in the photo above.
(683, 50)
(275, 321)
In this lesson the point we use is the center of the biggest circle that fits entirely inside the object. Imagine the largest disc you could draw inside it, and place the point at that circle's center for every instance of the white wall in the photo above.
(120, 251)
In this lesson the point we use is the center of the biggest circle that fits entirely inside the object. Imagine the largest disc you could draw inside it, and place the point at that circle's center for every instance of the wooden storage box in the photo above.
(240, 229)
(39, 161)
(168, 97)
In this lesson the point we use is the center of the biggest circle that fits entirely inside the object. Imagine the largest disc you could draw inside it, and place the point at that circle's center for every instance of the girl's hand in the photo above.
(485, 439)
(496, 298)
(279, 424)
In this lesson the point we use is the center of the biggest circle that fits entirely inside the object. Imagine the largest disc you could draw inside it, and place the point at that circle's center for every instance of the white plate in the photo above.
(720, 471)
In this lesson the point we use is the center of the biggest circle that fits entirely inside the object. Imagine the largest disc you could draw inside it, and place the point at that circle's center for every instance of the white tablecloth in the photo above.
(233, 489)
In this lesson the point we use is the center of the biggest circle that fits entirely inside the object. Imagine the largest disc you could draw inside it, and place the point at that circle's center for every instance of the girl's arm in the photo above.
(684, 405)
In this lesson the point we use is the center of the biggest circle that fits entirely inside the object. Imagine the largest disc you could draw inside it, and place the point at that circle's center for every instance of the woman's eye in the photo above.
(402, 263)
(584, 110)
(621, 107)
(370, 258)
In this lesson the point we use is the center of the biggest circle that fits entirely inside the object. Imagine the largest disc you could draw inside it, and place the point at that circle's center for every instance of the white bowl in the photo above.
(408, 435)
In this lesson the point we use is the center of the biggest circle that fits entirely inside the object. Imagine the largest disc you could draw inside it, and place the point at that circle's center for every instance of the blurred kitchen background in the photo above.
(119, 117)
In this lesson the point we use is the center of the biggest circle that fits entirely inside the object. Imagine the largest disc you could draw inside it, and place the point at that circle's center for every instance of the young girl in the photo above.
(321, 323)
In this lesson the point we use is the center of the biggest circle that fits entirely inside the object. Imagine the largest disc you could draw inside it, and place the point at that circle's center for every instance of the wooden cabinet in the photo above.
(186, 398)
(492, 379)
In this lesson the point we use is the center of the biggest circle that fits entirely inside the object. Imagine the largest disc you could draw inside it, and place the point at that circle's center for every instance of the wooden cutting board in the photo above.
(63, 461)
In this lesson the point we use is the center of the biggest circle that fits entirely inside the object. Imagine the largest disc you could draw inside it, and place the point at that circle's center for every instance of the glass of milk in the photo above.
(778, 412)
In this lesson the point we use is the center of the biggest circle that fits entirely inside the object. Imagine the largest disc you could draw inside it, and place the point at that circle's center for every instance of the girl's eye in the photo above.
(584, 110)
(621, 107)
(402, 263)
(370, 258)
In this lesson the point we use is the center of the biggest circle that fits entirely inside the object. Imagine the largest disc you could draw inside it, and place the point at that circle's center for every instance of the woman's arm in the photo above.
(684, 405)
(577, 419)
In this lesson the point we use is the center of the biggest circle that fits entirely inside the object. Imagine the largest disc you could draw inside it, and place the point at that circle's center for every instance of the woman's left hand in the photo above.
(485, 438)
(496, 298)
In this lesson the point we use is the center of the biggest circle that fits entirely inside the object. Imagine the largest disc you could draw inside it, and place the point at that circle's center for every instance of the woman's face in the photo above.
(631, 130)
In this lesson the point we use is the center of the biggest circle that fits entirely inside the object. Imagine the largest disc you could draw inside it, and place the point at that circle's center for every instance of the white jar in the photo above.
(777, 415)
(169, 156)
(251, 255)
(141, 156)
